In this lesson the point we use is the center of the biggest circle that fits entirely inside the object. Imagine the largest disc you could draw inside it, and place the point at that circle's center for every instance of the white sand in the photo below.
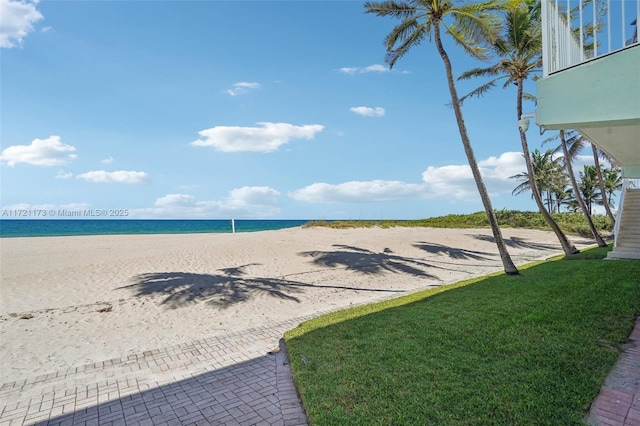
(168, 289)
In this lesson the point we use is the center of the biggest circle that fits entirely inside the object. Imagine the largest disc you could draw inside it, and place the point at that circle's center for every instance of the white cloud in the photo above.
(266, 138)
(364, 70)
(368, 111)
(252, 195)
(107, 160)
(120, 176)
(246, 202)
(48, 210)
(41, 152)
(456, 181)
(360, 192)
(18, 18)
(242, 88)
(62, 175)
(175, 200)
(446, 182)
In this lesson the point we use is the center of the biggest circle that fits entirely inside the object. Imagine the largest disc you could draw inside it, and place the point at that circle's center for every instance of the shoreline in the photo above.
(98, 297)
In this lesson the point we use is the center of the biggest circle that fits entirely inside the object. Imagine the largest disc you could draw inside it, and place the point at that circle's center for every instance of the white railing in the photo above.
(577, 31)
(627, 184)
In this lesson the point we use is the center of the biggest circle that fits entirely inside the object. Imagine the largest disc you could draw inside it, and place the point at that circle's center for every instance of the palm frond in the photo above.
(395, 9)
(479, 92)
(480, 72)
(409, 33)
(530, 97)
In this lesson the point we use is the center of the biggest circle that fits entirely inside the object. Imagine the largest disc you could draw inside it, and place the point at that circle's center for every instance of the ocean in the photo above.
(71, 227)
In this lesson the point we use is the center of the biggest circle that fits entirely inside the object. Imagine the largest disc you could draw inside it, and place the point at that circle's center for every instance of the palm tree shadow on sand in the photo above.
(365, 261)
(517, 242)
(453, 252)
(229, 287)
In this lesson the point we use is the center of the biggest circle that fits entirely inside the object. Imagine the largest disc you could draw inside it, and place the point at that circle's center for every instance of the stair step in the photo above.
(628, 238)
(623, 255)
(625, 249)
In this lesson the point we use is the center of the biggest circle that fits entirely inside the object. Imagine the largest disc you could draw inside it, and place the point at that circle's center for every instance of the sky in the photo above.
(240, 109)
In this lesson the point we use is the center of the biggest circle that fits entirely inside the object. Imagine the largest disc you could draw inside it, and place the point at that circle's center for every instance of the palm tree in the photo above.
(588, 187)
(549, 177)
(520, 51)
(612, 183)
(568, 159)
(470, 25)
(576, 143)
(597, 154)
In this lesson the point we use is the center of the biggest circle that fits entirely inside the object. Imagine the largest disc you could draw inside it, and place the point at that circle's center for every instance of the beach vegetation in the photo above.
(571, 223)
(532, 349)
(472, 26)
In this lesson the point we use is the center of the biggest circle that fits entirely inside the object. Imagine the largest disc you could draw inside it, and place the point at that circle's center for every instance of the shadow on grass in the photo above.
(368, 262)
(222, 290)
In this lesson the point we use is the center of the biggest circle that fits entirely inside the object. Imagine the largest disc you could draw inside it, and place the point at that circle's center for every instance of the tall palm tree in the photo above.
(568, 160)
(519, 48)
(470, 25)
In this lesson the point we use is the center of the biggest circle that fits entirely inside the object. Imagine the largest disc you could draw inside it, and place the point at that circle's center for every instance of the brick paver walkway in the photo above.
(225, 380)
(619, 401)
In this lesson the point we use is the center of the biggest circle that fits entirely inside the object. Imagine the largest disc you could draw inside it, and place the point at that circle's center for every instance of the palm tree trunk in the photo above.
(509, 266)
(603, 190)
(564, 241)
(576, 190)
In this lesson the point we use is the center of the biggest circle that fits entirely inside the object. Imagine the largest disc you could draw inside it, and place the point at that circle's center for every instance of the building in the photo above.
(591, 83)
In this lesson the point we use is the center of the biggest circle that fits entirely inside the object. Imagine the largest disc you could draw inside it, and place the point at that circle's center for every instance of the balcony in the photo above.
(591, 64)
(590, 82)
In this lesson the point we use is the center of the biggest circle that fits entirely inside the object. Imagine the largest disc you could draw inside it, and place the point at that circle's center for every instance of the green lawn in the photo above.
(523, 350)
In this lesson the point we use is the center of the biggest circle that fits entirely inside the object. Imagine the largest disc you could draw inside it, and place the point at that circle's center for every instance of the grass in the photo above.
(531, 349)
(570, 223)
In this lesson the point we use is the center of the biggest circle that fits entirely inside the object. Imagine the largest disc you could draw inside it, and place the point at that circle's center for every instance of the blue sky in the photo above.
(220, 109)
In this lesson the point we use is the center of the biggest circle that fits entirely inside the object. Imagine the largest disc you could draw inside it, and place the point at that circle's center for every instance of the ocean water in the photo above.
(70, 227)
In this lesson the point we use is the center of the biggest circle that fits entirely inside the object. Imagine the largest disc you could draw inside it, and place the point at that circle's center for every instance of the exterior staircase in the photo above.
(628, 239)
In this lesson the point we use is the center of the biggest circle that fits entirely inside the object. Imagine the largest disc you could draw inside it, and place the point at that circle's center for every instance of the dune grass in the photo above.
(531, 349)
(570, 223)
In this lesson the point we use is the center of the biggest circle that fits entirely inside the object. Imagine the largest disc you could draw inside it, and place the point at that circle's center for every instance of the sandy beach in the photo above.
(69, 301)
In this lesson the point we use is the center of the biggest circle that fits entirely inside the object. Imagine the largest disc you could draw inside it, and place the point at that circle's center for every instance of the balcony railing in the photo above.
(577, 31)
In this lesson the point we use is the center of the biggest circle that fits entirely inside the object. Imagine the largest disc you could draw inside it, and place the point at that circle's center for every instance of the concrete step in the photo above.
(615, 254)
(627, 249)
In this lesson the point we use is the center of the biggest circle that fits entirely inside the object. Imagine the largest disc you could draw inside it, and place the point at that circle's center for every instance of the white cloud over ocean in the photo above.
(41, 152)
(266, 137)
(246, 202)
